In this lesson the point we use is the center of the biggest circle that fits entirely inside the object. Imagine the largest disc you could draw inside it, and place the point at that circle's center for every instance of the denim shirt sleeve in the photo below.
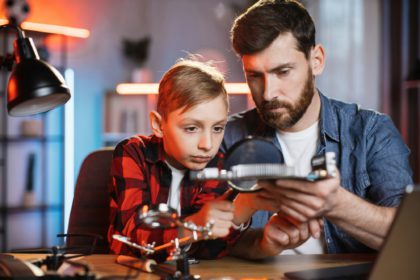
(387, 162)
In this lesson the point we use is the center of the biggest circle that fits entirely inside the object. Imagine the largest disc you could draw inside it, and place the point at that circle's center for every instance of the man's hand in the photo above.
(219, 212)
(303, 200)
(282, 232)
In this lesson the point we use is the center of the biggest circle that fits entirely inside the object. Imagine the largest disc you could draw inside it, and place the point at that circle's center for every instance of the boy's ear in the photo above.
(156, 124)
(317, 60)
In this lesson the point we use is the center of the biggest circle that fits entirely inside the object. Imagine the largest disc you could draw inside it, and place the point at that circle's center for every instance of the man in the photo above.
(351, 212)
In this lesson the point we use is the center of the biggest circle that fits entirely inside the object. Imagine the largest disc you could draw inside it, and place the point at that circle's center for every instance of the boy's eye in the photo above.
(190, 129)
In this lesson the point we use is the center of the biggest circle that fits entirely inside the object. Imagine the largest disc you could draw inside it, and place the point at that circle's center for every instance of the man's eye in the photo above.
(252, 75)
(283, 72)
(219, 129)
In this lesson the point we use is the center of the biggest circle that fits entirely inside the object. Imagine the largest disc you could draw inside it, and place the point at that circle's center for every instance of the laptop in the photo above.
(399, 257)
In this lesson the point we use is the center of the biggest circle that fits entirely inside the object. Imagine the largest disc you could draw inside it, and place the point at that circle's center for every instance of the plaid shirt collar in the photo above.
(154, 152)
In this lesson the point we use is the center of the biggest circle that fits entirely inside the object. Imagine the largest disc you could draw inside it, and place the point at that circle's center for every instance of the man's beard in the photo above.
(294, 112)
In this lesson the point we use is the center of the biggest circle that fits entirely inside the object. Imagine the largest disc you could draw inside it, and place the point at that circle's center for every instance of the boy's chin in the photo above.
(196, 166)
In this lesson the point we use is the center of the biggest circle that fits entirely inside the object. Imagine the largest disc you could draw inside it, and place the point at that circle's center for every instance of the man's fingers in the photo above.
(274, 235)
(315, 228)
(284, 225)
(293, 213)
(266, 202)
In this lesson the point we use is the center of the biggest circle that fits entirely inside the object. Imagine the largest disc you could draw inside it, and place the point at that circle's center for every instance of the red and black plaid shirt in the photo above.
(140, 176)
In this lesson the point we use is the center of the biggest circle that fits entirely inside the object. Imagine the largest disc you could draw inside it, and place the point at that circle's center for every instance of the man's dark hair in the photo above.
(256, 29)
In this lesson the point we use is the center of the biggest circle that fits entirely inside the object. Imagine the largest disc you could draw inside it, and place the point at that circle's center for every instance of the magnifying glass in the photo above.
(162, 216)
(158, 216)
(253, 159)
(248, 159)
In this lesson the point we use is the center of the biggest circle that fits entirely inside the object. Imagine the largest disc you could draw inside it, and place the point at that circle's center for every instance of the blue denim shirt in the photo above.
(371, 157)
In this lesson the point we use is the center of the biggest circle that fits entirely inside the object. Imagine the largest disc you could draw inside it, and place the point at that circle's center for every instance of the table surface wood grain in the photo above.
(224, 269)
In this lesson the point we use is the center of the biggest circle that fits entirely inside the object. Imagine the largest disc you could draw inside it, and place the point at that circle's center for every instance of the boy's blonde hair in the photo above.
(188, 83)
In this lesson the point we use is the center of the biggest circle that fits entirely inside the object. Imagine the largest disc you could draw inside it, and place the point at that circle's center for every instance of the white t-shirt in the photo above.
(174, 197)
(298, 149)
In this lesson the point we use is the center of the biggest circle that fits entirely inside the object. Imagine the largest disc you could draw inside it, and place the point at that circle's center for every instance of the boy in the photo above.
(188, 128)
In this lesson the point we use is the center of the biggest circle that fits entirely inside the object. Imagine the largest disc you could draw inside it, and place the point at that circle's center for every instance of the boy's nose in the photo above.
(205, 142)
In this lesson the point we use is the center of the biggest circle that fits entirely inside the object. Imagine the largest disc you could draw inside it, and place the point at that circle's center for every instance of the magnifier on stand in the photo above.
(162, 216)
(253, 159)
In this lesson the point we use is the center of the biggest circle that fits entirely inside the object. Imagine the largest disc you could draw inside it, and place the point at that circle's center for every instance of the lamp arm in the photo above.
(24, 46)
(20, 33)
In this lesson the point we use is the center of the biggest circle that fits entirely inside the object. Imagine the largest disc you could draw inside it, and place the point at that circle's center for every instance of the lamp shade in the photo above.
(34, 85)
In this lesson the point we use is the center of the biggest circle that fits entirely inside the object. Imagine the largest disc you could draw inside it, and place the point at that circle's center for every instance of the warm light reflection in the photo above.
(144, 210)
(132, 88)
(54, 29)
(152, 88)
(237, 88)
(12, 89)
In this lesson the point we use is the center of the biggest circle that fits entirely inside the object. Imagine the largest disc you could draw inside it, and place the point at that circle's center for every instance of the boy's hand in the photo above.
(246, 204)
(220, 212)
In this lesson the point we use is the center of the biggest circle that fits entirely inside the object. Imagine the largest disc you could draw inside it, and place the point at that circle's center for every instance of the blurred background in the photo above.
(372, 47)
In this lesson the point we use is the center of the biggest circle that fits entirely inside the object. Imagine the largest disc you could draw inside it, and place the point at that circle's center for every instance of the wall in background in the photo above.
(176, 27)
(182, 26)
(350, 32)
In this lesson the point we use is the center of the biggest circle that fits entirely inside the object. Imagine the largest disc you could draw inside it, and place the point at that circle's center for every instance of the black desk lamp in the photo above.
(34, 85)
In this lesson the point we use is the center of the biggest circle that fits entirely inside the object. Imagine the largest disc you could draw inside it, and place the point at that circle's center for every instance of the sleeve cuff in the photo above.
(242, 227)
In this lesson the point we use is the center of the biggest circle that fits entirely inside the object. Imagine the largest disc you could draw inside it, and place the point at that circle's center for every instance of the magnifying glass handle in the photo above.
(232, 195)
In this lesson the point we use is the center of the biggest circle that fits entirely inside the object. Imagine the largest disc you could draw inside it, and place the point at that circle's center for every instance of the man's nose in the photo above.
(269, 88)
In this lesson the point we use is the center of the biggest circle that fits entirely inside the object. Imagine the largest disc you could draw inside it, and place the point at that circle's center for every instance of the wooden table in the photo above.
(227, 268)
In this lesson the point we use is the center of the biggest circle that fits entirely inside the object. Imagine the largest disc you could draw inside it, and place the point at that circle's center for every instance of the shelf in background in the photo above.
(31, 138)
(25, 209)
(127, 108)
(116, 136)
(152, 88)
(49, 145)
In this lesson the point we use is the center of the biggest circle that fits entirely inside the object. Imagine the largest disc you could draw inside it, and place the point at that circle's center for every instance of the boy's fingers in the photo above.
(220, 215)
(222, 205)
(219, 232)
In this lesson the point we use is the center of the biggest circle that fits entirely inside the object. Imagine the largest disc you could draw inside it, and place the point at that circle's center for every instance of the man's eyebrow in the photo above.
(281, 67)
(272, 70)
(250, 70)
